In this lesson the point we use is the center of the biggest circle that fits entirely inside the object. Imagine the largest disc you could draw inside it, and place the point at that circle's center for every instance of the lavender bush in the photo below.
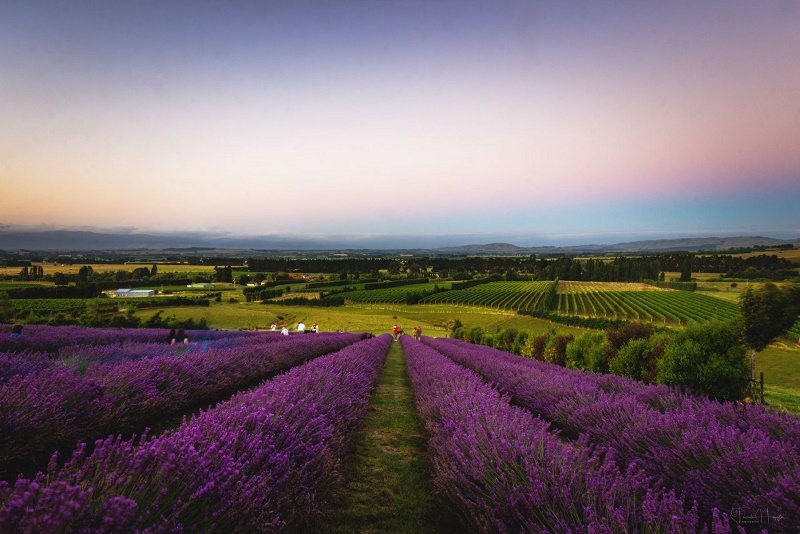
(43, 338)
(504, 470)
(54, 408)
(262, 461)
(721, 455)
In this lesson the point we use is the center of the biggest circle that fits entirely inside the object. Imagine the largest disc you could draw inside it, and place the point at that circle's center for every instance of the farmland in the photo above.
(597, 299)
(388, 443)
(338, 422)
(500, 295)
(392, 294)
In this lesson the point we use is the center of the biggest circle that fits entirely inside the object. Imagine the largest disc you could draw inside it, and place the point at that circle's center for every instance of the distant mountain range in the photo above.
(76, 240)
(653, 245)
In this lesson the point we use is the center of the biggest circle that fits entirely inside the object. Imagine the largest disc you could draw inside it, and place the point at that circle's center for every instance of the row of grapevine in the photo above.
(502, 295)
(391, 294)
(658, 306)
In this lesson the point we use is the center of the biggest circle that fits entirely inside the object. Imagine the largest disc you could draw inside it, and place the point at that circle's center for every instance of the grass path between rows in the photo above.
(387, 486)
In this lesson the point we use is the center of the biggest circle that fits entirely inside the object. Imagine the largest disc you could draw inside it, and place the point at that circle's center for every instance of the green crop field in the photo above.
(46, 307)
(501, 295)
(666, 306)
(391, 294)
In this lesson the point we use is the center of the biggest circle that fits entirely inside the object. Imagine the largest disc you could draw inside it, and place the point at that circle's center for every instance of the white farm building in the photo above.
(134, 293)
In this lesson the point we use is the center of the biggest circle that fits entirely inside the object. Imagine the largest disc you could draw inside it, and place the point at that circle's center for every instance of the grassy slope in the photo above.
(387, 486)
(435, 320)
(780, 363)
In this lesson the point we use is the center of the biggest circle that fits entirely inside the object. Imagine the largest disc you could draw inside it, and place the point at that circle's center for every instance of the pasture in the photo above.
(52, 268)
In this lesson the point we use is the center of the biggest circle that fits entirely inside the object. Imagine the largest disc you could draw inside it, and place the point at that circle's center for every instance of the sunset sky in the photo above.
(375, 117)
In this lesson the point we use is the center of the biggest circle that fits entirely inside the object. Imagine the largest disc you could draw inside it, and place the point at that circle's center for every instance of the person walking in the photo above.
(418, 333)
(273, 327)
(301, 327)
(315, 328)
(395, 332)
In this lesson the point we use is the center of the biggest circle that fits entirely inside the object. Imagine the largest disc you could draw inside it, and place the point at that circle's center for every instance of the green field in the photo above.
(500, 295)
(780, 363)
(435, 320)
(664, 306)
(391, 294)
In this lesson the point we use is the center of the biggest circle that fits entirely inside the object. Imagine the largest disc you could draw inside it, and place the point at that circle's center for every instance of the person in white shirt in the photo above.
(301, 327)
(285, 331)
(273, 327)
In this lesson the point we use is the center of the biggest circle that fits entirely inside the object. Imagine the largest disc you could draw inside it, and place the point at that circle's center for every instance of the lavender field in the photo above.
(118, 430)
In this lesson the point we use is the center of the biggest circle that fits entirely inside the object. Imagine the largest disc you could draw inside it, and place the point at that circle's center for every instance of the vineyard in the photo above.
(595, 299)
(502, 295)
(392, 294)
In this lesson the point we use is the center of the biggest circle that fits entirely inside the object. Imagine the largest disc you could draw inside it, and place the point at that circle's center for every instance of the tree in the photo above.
(84, 273)
(767, 313)
(6, 308)
(686, 269)
(60, 279)
(709, 358)
(556, 351)
(639, 358)
(153, 270)
(223, 274)
(588, 353)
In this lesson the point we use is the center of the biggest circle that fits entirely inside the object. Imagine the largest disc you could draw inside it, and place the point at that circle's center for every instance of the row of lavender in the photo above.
(54, 407)
(42, 338)
(722, 456)
(263, 460)
(504, 470)
(647, 397)
(80, 357)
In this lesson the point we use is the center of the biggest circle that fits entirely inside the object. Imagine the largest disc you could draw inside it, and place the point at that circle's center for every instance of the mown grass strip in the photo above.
(387, 486)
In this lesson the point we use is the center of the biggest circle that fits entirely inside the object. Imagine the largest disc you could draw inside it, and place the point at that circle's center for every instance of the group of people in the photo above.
(397, 331)
(301, 329)
(175, 337)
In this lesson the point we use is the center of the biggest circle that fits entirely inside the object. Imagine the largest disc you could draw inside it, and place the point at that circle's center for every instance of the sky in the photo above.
(584, 120)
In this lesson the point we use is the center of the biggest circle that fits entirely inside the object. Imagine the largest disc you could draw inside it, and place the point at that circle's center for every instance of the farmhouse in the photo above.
(128, 293)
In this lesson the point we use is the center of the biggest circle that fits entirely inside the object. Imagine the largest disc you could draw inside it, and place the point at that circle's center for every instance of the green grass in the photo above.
(780, 363)
(387, 480)
(786, 399)
(436, 320)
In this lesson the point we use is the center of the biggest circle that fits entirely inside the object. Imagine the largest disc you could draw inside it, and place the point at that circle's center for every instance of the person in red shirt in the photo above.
(395, 332)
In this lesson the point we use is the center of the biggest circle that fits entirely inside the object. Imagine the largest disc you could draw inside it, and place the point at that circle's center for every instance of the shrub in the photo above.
(620, 336)
(519, 342)
(505, 339)
(588, 353)
(474, 335)
(556, 351)
(709, 358)
(638, 359)
(535, 347)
